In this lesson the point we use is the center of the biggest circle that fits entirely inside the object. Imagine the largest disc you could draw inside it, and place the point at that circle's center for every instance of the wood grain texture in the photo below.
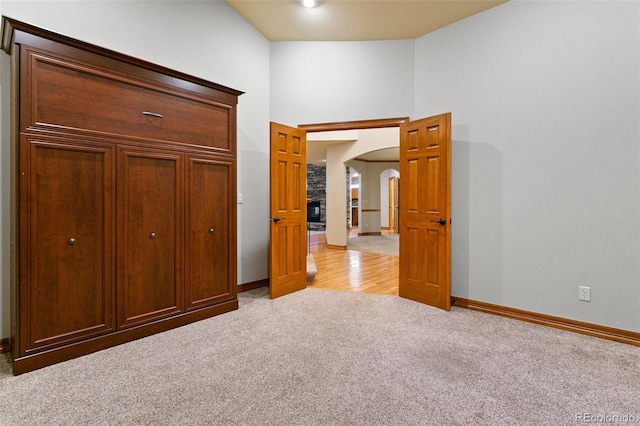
(69, 250)
(4, 345)
(349, 270)
(69, 94)
(209, 238)
(105, 151)
(425, 210)
(288, 196)
(150, 238)
(354, 125)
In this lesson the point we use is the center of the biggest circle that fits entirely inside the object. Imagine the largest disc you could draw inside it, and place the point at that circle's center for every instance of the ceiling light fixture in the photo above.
(309, 3)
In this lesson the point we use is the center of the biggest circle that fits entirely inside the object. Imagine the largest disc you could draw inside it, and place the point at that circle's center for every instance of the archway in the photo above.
(349, 140)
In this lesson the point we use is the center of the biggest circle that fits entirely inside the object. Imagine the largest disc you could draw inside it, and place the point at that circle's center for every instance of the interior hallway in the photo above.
(355, 271)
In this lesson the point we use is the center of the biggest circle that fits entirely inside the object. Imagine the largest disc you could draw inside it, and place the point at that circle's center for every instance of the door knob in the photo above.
(441, 221)
(277, 219)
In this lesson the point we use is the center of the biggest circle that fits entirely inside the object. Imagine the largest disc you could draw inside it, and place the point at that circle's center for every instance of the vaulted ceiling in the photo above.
(341, 20)
(354, 20)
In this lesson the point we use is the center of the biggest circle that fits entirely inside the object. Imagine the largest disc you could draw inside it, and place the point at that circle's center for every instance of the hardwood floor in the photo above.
(348, 270)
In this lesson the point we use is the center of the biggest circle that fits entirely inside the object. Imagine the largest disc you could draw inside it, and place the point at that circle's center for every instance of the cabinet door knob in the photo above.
(72, 241)
(153, 235)
(212, 230)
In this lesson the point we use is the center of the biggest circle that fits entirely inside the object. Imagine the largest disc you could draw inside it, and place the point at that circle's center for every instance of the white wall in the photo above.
(206, 39)
(545, 102)
(373, 203)
(337, 157)
(318, 82)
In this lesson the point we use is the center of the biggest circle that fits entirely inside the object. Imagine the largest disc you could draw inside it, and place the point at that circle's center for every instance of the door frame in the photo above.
(355, 125)
(390, 122)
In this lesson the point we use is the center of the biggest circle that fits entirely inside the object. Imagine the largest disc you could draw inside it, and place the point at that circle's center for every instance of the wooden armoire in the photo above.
(123, 197)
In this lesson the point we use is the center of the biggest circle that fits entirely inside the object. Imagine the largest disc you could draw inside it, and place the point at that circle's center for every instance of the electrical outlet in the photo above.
(584, 293)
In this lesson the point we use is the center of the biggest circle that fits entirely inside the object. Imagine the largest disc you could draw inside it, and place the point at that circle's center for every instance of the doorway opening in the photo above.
(424, 208)
(363, 215)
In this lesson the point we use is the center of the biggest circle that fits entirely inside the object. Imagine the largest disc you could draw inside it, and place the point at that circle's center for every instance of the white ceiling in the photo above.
(317, 153)
(317, 144)
(354, 20)
(340, 20)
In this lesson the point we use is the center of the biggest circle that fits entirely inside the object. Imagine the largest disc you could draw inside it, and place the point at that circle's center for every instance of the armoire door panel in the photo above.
(208, 246)
(150, 245)
(126, 106)
(68, 261)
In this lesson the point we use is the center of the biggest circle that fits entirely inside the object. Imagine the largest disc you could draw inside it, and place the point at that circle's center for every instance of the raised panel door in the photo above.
(67, 250)
(150, 204)
(287, 245)
(209, 231)
(425, 211)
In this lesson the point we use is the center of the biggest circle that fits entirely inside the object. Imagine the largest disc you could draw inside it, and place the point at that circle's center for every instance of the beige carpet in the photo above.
(381, 244)
(320, 357)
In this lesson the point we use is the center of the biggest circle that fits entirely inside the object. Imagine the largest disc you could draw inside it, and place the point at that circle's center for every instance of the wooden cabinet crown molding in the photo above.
(17, 32)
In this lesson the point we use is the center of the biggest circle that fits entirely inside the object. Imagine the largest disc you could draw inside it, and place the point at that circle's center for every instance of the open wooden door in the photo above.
(425, 211)
(288, 210)
(393, 204)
